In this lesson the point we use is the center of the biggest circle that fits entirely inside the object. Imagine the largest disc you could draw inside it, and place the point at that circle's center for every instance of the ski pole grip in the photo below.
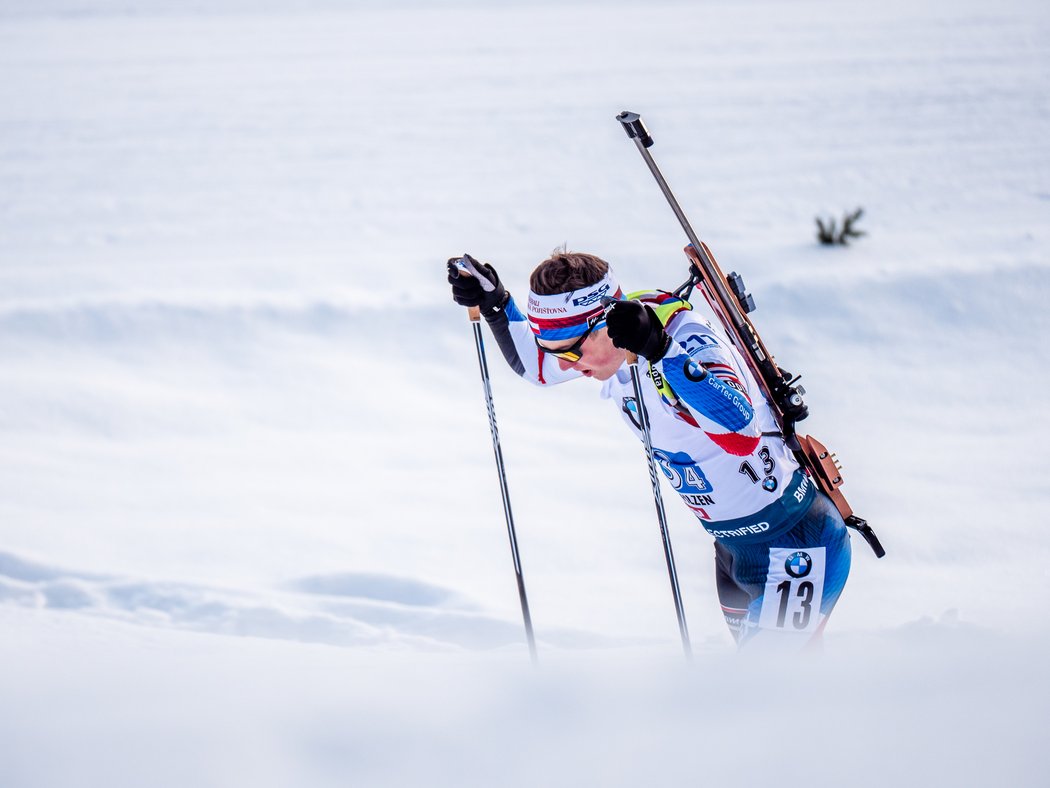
(636, 130)
(463, 268)
(609, 302)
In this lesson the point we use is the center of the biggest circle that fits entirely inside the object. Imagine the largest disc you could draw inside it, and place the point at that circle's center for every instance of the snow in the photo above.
(250, 529)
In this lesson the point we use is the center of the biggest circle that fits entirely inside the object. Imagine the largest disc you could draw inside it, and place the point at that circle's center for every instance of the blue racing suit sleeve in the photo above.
(705, 374)
(704, 391)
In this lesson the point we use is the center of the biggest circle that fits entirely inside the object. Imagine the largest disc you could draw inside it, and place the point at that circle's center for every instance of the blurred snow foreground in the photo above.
(250, 532)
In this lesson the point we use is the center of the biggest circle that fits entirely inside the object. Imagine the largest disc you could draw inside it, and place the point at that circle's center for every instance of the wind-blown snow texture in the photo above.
(241, 421)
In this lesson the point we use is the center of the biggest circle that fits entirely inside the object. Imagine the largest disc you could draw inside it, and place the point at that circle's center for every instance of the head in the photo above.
(565, 312)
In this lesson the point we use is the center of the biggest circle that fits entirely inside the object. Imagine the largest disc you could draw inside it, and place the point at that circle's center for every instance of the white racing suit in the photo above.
(782, 551)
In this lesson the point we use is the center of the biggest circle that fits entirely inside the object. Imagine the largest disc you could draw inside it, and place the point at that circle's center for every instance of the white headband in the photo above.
(568, 315)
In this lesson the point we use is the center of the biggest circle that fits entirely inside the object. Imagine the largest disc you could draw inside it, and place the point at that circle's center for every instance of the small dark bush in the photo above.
(826, 233)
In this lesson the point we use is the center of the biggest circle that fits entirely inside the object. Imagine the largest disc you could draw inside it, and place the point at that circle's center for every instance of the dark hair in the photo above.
(565, 271)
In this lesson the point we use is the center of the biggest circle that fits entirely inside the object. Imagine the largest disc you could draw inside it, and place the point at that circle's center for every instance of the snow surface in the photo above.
(250, 530)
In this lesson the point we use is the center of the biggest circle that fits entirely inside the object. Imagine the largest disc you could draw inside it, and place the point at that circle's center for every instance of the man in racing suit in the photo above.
(782, 551)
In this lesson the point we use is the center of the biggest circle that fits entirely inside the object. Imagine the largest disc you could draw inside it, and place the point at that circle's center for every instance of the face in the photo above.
(599, 358)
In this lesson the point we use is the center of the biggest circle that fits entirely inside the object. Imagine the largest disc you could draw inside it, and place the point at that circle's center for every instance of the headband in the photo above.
(568, 315)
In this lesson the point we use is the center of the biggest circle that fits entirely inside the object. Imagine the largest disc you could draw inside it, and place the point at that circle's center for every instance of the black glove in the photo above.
(635, 327)
(476, 284)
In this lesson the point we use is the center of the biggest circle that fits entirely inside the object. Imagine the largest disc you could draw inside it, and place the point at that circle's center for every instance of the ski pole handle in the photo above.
(609, 302)
(632, 358)
(463, 267)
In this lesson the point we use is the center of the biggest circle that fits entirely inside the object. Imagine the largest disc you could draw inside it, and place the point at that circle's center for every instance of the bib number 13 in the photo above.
(804, 594)
(769, 482)
(794, 589)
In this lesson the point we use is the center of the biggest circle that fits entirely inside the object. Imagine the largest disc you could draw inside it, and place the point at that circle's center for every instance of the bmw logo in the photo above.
(798, 564)
(769, 484)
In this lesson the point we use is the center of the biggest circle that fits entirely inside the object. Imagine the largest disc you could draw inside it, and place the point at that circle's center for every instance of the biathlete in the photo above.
(782, 551)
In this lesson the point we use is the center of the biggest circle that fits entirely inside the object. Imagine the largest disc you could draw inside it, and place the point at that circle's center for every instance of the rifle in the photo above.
(731, 304)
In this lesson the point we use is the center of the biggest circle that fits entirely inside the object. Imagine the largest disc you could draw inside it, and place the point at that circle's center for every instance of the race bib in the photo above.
(794, 589)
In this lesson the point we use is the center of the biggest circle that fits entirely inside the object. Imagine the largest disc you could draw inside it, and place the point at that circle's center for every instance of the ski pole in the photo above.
(661, 516)
(464, 268)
